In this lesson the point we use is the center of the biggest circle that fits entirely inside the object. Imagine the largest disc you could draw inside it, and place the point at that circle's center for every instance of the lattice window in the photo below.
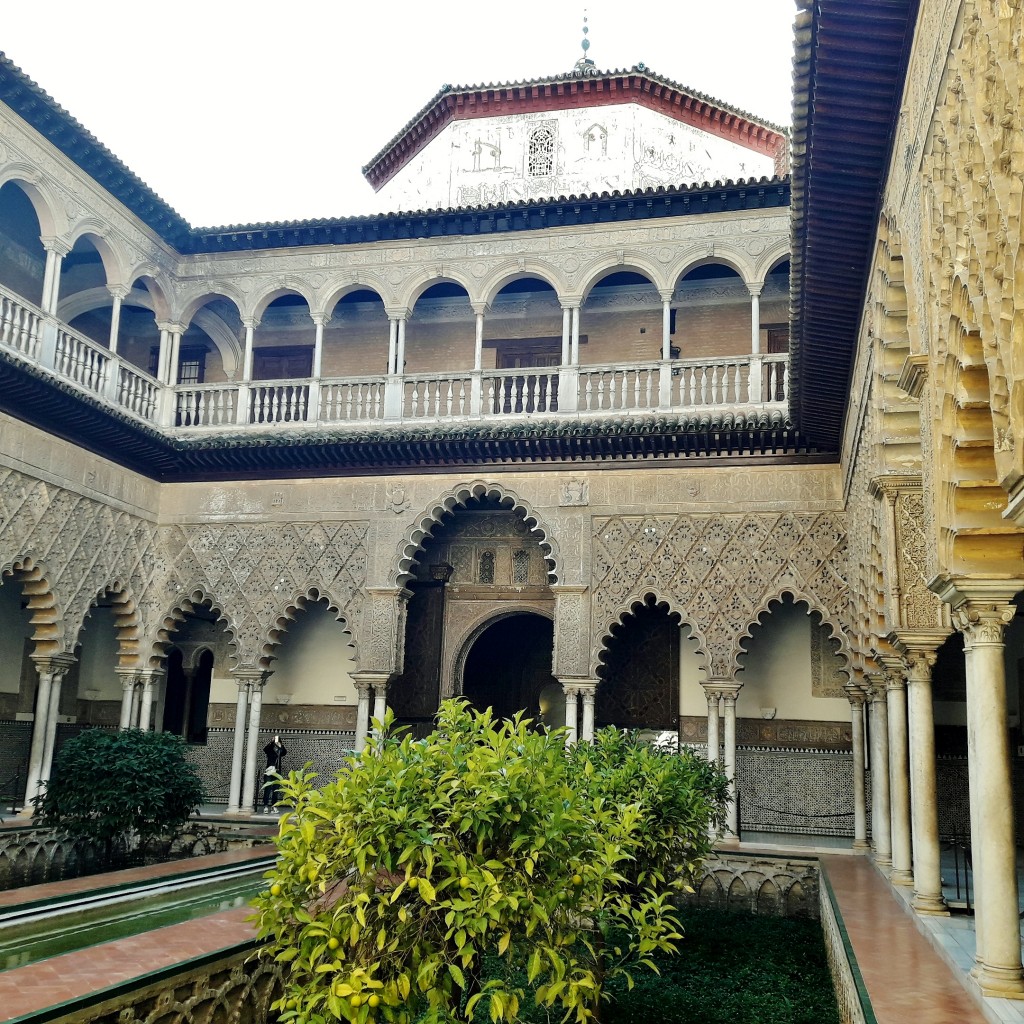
(541, 154)
(520, 566)
(485, 569)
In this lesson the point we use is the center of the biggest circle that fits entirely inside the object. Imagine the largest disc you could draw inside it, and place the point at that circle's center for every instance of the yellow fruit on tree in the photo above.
(356, 1000)
(374, 1001)
(413, 882)
(577, 879)
(275, 890)
(333, 943)
(464, 882)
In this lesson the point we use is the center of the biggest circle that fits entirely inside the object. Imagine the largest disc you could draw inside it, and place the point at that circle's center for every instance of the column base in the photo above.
(899, 876)
(883, 862)
(934, 905)
(1000, 982)
(862, 845)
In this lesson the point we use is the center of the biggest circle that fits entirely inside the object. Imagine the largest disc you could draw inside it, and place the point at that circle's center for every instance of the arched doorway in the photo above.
(187, 704)
(639, 673)
(508, 669)
(481, 564)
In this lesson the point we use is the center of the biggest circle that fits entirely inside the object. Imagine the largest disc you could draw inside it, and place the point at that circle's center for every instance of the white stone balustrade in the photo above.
(748, 382)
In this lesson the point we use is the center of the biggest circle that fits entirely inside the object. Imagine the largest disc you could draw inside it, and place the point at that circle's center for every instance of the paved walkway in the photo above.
(907, 981)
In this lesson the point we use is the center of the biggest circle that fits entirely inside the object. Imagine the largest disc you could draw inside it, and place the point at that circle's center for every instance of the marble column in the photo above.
(981, 611)
(729, 758)
(238, 744)
(919, 659)
(118, 294)
(566, 335)
(128, 682)
(857, 700)
(51, 670)
(899, 778)
(362, 716)
(253, 762)
(713, 698)
(588, 693)
(666, 327)
(881, 825)
(380, 705)
(56, 250)
(574, 352)
(392, 344)
(755, 317)
(572, 694)
(149, 680)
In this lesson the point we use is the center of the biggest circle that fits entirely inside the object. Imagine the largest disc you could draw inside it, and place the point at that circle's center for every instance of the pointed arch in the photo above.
(45, 618)
(185, 604)
(124, 608)
(651, 596)
(826, 617)
(298, 604)
(457, 497)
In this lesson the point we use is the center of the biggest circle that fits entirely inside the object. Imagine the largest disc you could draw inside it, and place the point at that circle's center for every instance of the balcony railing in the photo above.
(737, 383)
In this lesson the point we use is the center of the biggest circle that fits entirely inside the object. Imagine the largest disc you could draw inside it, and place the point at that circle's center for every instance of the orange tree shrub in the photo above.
(454, 878)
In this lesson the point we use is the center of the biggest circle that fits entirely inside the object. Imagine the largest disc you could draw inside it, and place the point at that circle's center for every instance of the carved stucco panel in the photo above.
(718, 572)
(919, 607)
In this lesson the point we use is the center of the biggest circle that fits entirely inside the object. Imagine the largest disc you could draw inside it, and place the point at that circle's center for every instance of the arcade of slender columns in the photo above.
(902, 872)
(858, 699)
(51, 670)
(881, 825)
(981, 611)
(721, 698)
(579, 710)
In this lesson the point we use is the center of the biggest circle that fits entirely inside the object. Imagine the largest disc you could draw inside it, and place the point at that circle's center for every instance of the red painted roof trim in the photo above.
(627, 87)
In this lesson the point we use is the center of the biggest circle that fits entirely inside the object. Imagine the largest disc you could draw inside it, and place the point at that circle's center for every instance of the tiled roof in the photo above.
(849, 69)
(454, 102)
(53, 122)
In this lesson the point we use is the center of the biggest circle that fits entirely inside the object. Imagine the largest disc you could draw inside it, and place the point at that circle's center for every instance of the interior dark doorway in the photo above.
(639, 686)
(509, 665)
(187, 700)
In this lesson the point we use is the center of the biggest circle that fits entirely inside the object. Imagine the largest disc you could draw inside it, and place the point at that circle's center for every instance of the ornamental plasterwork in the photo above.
(919, 607)
(251, 572)
(719, 572)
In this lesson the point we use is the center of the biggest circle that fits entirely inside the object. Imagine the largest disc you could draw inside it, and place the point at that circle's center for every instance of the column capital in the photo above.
(255, 676)
(725, 688)
(171, 326)
(55, 664)
(250, 322)
(667, 294)
(981, 608)
(398, 312)
(856, 695)
(754, 288)
(479, 307)
(957, 591)
(371, 677)
(118, 291)
(875, 687)
(570, 301)
(55, 243)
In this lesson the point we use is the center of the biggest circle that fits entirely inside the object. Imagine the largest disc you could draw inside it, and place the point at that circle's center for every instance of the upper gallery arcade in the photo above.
(658, 286)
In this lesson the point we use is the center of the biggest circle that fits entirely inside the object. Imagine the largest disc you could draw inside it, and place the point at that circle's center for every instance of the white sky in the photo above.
(247, 111)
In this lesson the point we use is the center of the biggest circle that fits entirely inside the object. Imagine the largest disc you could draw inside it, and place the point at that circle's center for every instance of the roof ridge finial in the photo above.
(584, 66)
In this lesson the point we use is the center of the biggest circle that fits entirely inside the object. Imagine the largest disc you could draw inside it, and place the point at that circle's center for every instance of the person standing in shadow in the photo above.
(275, 751)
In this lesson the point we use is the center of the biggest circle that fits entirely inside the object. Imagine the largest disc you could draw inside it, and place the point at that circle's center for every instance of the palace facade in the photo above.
(639, 411)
